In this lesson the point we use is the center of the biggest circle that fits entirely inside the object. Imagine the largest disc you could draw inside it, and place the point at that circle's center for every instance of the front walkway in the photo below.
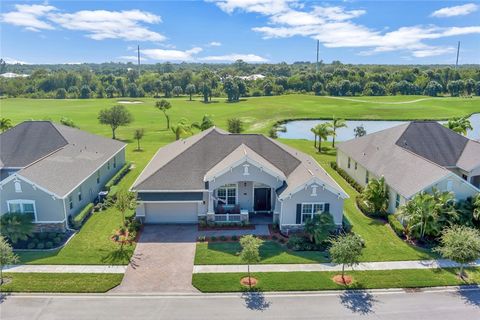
(162, 261)
(30, 268)
(366, 266)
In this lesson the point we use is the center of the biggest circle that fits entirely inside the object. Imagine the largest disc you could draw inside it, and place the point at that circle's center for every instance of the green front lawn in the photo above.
(313, 281)
(60, 282)
(92, 245)
(271, 252)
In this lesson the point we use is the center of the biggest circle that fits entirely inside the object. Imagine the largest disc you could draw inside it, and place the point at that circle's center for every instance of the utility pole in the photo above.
(318, 48)
(458, 53)
(138, 56)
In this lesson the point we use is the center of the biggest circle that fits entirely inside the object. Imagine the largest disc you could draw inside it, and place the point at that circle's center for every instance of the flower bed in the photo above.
(43, 240)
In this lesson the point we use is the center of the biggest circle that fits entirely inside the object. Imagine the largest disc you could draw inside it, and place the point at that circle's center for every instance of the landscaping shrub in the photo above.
(213, 238)
(42, 235)
(346, 225)
(301, 243)
(31, 245)
(51, 235)
(396, 225)
(57, 240)
(274, 237)
(345, 176)
(202, 223)
(223, 238)
(363, 208)
(41, 245)
(48, 245)
(80, 218)
(234, 238)
(118, 176)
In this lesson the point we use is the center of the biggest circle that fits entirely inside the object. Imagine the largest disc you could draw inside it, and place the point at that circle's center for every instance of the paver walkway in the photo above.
(162, 261)
(30, 268)
(387, 265)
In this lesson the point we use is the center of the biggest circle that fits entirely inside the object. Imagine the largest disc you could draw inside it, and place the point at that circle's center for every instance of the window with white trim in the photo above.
(22, 206)
(79, 194)
(397, 201)
(114, 161)
(108, 165)
(367, 177)
(98, 176)
(349, 163)
(70, 202)
(18, 187)
(228, 193)
(309, 209)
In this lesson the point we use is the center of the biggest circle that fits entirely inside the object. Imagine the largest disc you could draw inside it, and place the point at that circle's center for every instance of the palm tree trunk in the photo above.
(319, 145)
(315, 142)
(190, 97)
(138, 144)
(462, 271)
(333, 138)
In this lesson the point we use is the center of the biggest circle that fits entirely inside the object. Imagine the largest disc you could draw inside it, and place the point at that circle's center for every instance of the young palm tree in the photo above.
(163, 105)
(336, 124)
(476, 208)
(314, 131)
(460, 125)
(5, 124)
(323, 131)
(375, 196)
(181, 128)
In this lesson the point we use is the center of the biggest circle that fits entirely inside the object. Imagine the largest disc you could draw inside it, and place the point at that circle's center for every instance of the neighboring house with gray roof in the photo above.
(221, 177)
(53, 171)
(414, 157)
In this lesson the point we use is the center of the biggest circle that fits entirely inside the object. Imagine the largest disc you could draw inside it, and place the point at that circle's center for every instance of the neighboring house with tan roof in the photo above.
(414, 157)
(218, 176)
(53, 171)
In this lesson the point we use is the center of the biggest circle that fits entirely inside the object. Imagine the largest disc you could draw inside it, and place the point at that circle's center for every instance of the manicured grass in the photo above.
(381, 243)
(60, 282)
(92, 244)
(306, 281)
(271, 253)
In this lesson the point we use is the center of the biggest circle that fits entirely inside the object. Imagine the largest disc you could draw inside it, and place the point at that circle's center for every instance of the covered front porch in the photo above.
(243, 201)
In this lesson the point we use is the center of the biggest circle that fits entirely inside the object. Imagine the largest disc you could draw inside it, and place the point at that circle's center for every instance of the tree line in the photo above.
(234, 81)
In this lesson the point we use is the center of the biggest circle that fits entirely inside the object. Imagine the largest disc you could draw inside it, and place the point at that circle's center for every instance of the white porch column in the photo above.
(210, 209)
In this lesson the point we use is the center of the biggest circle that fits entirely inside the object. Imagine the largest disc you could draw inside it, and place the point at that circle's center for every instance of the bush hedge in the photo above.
(118, 176)
(363, 208)
(80, 218)
(347, 178)
(396, 225)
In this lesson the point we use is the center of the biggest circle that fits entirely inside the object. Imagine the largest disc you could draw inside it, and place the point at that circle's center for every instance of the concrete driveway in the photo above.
(163, 260)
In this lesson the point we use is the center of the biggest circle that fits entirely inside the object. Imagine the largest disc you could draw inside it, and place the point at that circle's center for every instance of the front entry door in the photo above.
(262, 199)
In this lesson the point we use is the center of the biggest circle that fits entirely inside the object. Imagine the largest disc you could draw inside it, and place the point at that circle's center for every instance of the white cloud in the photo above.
(455, 11)
(132, 58)
(29, 16)
(98, 24)
(171, 55)
(14, 61)
(252, 58)
(334, 27)
(214, 44)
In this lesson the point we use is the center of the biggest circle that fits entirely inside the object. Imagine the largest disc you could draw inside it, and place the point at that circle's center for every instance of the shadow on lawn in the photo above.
(358, 301)
(121, 255)
(255, 300)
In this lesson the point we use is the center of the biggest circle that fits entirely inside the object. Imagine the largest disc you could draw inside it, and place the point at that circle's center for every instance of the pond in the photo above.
(300, 129)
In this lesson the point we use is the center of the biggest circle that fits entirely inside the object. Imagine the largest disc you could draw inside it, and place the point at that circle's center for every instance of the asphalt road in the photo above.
(450, 303)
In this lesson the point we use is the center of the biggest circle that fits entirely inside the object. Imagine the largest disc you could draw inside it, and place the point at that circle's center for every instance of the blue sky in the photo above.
(383, 32)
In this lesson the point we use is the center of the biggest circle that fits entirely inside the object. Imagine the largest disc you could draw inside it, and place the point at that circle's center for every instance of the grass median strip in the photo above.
(315, 281)
(60, 282)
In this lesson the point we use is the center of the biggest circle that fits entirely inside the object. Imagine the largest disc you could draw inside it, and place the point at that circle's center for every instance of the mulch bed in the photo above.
(245, 282)
(345, 280)
(215, 228)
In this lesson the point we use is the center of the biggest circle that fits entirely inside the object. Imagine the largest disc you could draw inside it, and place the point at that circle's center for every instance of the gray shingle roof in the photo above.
(470, 157)
(434, 142)
(66, 167)
(400, 155)
(28, 142)
(182, 165)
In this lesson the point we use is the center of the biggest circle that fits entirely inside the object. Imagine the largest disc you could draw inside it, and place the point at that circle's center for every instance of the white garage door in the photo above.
(171, 213)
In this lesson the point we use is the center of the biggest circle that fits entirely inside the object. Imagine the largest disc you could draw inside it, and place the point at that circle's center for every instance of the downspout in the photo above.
(66, 219)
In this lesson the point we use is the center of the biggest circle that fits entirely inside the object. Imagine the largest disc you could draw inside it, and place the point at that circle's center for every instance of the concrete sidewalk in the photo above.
(366, 266)
(30, 268)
